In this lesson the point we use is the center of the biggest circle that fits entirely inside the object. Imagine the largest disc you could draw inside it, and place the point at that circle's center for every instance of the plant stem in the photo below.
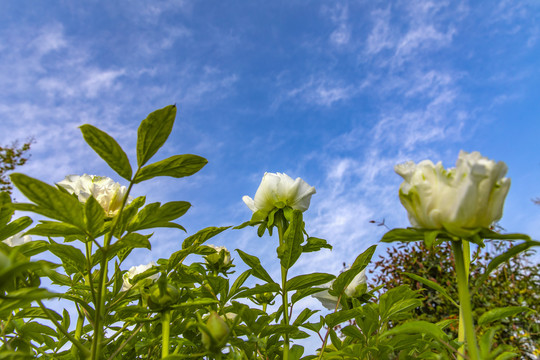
(285, 298)
(97, 341)
(466, 316)
(467, 263)
(165, 333)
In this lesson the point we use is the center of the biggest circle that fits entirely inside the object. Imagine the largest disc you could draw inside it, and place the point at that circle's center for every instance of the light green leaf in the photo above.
(291, 248)
(123, 247)
(72, 258)
(153, 132)
(489, 234)
(501, 313)
(50, 201)
(202, 235)
(309, 280)
(403, 235)
(108, 149)
(303, 316)
(94, 216)
(55, 229)
(176, 166)
(341, 316)
(258, 289)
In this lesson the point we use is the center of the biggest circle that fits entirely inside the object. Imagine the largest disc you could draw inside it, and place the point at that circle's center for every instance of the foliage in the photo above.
(11, 157)
(180, 308)
(515, 283)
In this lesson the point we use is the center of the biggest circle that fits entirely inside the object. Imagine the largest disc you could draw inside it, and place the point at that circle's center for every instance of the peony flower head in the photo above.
(17, 240)
(278, 191)
(467, 197)
(108, 193)
(216, 258)
(136, 270)
(330, 301)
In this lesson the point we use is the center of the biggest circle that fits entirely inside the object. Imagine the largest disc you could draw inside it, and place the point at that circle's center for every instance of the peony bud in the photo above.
(136, 270)
(17, 240)
(218, 329)
(354, 289)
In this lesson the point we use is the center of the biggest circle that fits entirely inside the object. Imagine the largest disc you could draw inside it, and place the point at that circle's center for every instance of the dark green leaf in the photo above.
(417, 327)
(123, 247)
(176, 166)
(345, 278)
(303, 316)
(258, 289)
(153, 215)
(153, 132)
(341, 316)
(14, 227)
(108, 149)
(489, 234)
(315, 244)
(255, 264)
(432, 285)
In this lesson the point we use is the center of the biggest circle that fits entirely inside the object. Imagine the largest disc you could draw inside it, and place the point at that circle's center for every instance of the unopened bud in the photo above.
(219, 331)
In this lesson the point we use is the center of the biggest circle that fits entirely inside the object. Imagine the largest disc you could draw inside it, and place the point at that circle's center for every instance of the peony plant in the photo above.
(190, 305)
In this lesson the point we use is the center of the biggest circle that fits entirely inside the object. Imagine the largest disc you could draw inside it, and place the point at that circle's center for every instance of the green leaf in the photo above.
(403, 235)
(303, 316)
(306, 281)
(239, 282)
(341, 316)
(108, 149)
(94, 216)
(513, 251)
(489, 234)
(6, 208)
(55, 229)
(202, 235)
(153, 132)
(432, 285)
(255, 264)
(315, 244)
(123, 247)
(291, 248)
(501, 313)
(153, 215)
(176, 166)
(72, 258)
(416, 327)
(296, 352)
(258, 289)
(345, 278)
(14, 227)
(50, 201)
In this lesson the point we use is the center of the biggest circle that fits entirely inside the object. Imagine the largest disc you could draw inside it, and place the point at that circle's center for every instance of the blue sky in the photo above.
(335, 92)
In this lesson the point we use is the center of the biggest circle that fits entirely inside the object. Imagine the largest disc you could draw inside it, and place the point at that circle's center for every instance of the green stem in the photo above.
(97, 341)
(466, 316)
(285, 297)
(78, 333)
(165, 333)
(84, 351)
(461, 333)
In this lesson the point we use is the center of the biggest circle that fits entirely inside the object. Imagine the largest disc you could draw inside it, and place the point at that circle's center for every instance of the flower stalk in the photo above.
(285, 298)
(165, 333)
(466, 317)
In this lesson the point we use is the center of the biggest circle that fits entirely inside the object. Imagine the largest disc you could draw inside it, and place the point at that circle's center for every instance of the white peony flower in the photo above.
(17, 240)
(136, 270)
(280, 190)
(330, 301)
(469, 196)
(108, 193)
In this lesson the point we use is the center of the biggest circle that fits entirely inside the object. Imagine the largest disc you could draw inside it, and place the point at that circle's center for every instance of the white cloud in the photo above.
(339, 15)
(322, 92)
